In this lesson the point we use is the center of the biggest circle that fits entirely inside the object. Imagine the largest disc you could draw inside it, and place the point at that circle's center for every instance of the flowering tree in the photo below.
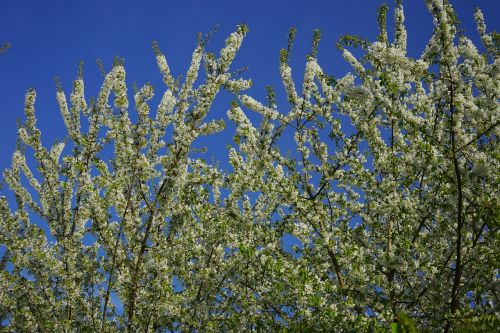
(390, 195)
(5, 46)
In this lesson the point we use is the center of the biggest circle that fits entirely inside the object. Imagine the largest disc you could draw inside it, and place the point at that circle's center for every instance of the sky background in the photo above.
(49, 38)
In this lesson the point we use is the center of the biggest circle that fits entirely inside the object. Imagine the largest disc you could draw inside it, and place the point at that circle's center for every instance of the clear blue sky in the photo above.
(49, 38)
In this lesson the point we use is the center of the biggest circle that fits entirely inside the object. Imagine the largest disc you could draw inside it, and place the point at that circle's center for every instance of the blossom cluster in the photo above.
(368, 199)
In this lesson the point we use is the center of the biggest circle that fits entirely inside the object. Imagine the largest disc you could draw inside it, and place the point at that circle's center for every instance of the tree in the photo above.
(395, 222)
(5, 46)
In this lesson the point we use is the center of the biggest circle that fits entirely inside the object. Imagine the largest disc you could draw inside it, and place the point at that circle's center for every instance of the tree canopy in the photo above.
(385, 182)
(5, 46)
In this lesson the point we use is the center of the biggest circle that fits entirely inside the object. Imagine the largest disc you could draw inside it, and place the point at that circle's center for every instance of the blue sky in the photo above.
(49, 38)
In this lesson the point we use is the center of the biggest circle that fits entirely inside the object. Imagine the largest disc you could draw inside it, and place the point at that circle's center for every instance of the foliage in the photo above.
(390, 196)
(5, 46)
